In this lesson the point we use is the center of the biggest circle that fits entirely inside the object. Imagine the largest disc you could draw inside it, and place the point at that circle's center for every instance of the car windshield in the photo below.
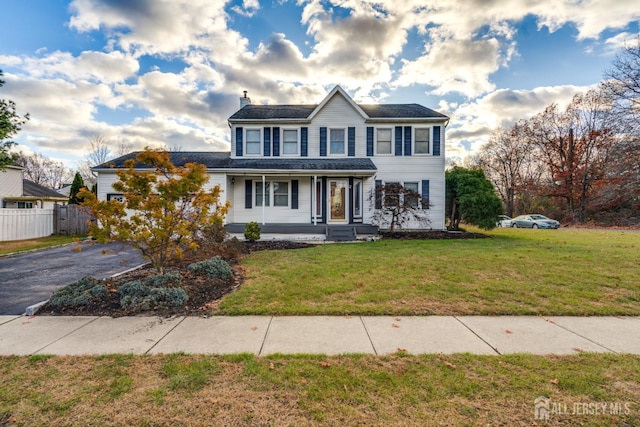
(538, 217)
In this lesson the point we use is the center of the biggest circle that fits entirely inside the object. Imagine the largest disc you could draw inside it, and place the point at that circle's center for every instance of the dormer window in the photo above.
(253, 145)
(289, 142)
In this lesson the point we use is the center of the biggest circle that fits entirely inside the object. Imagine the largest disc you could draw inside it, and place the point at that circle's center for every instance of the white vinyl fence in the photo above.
(19, 224)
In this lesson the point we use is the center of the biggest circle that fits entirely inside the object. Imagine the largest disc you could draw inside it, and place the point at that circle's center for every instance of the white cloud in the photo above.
(249, 8)
(356, 43)
(472, 122)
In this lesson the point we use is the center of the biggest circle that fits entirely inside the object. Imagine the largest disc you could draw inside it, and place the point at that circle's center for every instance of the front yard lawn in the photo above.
(244, 390)
(516, 272)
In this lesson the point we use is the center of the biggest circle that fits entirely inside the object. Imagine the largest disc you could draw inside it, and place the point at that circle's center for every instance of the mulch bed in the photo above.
(203, 291)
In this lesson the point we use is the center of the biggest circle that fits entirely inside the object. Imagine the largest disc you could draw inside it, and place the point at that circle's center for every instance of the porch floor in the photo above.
(319, 230)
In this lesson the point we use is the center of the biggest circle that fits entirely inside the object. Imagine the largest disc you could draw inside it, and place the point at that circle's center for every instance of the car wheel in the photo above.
(514, 225)
(535, 226)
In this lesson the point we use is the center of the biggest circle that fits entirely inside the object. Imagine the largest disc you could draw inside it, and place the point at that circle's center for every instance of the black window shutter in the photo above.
(436, 140)
(378, 191)
(239, 142)
(276, 141)
(294, 194)
(425, 193)
(267, 141)
(407, 140)
(304, 142)
(398, 136)
(370, 141)
(351, 141)
(248, 197)
(323, 142)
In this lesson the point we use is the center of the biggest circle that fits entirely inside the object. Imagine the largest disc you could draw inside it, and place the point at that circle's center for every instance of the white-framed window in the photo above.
(421, 140)
(115, 196)
(276, 193)
(383, 141)
(390, 194)
(253, 142)
(25, 205)
(290, 142)
(337, 141)
(280, 193)
(357, 198)
(412, 186)
(267, 192)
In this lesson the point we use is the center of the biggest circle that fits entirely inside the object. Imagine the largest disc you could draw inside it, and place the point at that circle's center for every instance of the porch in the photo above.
(320, 232)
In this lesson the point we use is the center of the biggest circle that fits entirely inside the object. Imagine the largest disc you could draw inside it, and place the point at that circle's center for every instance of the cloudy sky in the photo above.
(170, 72)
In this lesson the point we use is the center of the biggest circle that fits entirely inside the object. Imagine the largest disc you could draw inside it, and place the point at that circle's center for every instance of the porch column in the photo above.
(264, 186)
(314, 200)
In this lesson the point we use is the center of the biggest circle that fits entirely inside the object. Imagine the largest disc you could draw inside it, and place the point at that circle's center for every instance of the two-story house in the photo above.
(300, 167)
(19, 193)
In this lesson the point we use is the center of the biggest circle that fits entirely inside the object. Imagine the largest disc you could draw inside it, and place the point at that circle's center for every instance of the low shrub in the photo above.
(78, 293)
(212, 267)
(155, 298)
(155, 292)
(252, 231)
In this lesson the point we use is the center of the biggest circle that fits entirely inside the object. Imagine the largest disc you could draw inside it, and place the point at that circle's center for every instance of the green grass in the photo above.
(517, 272)
(29, 244)
(316, 390)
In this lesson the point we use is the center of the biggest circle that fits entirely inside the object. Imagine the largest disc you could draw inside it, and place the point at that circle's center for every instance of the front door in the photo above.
(338, 190)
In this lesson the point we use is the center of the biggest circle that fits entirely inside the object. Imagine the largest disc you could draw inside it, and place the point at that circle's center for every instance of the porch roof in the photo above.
(222, 161)
(350, 165)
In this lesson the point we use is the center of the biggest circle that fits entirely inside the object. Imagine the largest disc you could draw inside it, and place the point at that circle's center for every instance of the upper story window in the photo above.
(253, 144)
(290, 141)
(421, 143)
(336, 141)
(383, 141)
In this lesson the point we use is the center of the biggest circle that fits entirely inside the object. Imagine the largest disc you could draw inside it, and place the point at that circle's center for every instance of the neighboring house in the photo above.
(319, 165)
(19, 193)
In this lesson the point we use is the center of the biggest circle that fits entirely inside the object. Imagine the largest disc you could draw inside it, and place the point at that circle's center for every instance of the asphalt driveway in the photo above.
(29, 278)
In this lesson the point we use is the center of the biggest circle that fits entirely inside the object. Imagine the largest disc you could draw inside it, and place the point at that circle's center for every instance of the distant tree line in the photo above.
(577, 164)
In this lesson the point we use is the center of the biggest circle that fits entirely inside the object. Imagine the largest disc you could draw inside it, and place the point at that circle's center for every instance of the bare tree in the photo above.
(396, 206)
(101, 151)
(506, 160)
(42, 170)
(622, 81)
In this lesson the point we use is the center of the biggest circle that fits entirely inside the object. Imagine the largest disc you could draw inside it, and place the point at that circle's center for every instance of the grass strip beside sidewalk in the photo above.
(315, 390)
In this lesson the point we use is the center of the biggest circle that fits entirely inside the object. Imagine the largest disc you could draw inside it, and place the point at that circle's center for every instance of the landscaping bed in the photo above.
(203, 292)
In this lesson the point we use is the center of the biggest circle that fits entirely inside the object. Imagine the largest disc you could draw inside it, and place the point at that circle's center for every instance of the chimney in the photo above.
(244, 100)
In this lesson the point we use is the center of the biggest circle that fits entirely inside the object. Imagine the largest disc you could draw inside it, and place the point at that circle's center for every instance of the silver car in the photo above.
(503, 221)
(534, 221)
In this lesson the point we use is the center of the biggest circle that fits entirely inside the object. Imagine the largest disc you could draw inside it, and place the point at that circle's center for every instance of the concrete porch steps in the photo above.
(341, 234)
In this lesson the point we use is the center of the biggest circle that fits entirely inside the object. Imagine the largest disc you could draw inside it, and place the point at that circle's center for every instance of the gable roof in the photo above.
(31, 189)
(306, 112)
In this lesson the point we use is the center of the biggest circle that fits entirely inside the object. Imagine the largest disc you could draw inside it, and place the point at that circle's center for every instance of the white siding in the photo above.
(10, 183)
(337, 113)
(272, 214)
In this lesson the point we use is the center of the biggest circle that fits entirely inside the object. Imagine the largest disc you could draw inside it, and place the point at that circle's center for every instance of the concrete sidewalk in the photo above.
(263, 335)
